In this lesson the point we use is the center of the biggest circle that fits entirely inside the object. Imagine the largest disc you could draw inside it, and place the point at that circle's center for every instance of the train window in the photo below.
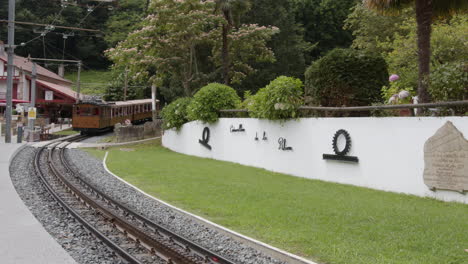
(87, 111)
(77, 110)
(96, 111)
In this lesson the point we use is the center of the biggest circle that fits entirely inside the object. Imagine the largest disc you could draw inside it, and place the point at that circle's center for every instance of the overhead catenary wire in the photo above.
(55, 26)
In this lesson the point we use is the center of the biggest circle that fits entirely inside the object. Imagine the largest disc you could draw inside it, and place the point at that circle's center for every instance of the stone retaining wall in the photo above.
(138, 132)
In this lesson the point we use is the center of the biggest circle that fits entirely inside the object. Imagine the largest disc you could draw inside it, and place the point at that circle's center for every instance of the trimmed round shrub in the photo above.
(346, 77)
(280, 99)
(210, 99)
(175, 114)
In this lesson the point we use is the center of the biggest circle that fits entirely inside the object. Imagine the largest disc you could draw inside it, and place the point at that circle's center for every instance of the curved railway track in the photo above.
(135, 238)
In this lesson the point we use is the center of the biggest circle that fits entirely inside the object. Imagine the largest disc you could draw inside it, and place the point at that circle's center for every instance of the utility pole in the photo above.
(33, 97)
(11, 68)
(125, 84)
(153, 101)
(78, 83)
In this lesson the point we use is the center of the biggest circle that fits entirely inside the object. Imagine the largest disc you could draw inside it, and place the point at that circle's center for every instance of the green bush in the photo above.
(346, 77)
(449, 82)
(278, 100)
(210, 99)
(175, 114)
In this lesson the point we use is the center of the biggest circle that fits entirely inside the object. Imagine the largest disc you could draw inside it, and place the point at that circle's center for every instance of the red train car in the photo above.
(94, 117)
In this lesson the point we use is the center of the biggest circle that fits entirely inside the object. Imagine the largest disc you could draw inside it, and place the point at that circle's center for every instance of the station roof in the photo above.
(67, 92)
(25, 64)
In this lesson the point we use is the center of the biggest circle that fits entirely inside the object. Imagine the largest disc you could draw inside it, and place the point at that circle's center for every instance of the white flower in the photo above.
(393, 99)
(280, 106)
(403, 94)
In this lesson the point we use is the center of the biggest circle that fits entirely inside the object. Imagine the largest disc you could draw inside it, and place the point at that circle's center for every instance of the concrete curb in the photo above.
(260, 246)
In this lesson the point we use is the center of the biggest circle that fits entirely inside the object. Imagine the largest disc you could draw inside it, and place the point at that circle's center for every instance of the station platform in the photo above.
(23, 240)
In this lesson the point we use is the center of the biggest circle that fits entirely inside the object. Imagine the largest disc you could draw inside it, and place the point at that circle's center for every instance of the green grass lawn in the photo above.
(325, 222)
(66, 132)
(93, 82)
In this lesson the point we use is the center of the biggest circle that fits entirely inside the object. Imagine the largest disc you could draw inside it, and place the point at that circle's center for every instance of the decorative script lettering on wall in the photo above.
(205, 138)
(264, 136)
(282, 144)
(446, 160)
(341, 154)
(240, 129)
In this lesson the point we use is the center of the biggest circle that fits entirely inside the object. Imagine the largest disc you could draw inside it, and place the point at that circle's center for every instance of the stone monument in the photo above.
(446, 160)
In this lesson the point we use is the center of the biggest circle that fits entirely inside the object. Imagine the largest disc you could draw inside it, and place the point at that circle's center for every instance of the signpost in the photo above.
(32, 113)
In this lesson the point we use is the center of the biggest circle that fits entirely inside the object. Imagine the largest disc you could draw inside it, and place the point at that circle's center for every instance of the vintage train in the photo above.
(97, 116)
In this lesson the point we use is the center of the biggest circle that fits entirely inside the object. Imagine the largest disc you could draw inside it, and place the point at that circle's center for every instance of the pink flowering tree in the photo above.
(248, 44)
(166, 45)
(178, 41)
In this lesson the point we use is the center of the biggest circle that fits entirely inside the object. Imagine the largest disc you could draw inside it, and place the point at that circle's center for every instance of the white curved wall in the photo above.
(390, 150)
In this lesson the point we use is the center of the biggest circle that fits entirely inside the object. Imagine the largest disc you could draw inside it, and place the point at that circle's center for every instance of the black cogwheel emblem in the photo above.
(335, 142)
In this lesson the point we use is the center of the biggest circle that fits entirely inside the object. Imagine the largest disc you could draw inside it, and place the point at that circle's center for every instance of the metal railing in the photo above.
(369, 108)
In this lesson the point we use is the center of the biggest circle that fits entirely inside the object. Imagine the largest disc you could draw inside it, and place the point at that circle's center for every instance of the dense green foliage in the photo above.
(86, 46)
(127, 18)
(323, 22)
(179, 44)
(449, 47)
(449, 82)
(176, 113)
(370, 28)
(346, 77)
(288, 45)
(278, 100)
(395, 38)
(209, 100)
(254, 59)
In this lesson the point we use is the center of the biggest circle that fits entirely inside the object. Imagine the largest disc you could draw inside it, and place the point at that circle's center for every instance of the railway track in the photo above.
(133, 237)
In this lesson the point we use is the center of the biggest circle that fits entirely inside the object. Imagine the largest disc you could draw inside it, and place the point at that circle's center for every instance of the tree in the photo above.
(127, 19)
(227, 8)
(323, 21)
(86, 46)
(166, 45)
(425, 11)
(288, 45)
(179, 43)
(370, 29)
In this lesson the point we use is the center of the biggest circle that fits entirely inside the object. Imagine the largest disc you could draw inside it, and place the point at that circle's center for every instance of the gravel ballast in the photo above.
(84, 247)
(76, 240)
(91, 170)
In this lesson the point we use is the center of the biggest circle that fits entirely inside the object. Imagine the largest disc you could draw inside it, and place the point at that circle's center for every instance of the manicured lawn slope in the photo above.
(93, 82)
(326, 222)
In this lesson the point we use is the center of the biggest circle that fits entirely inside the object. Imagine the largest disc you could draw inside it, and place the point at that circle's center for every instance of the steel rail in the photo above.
(188, 245)
(155, 247)
(120, 251)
